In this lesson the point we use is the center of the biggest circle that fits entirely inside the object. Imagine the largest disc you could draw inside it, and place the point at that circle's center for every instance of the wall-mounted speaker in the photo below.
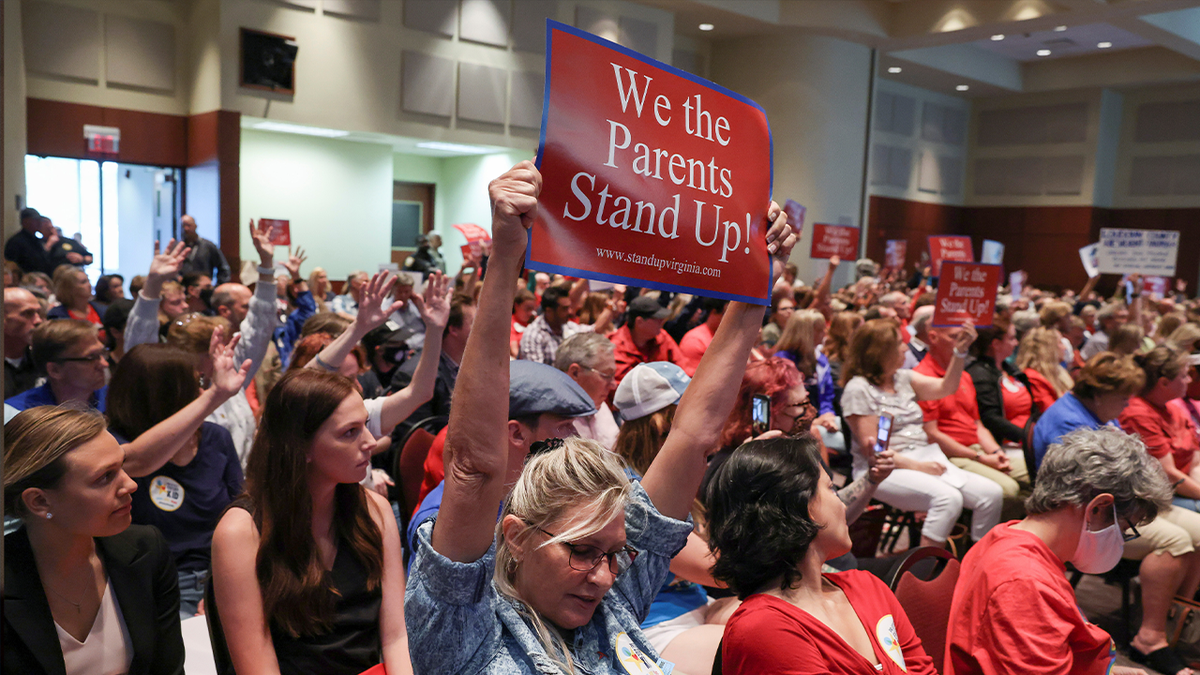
(268, 61)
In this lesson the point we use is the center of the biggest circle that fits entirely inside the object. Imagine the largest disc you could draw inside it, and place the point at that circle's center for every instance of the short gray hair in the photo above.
(582, 348)
(894, 298)
(1089, 462)
(1109, 311)
(921, 317)
(1026, 320)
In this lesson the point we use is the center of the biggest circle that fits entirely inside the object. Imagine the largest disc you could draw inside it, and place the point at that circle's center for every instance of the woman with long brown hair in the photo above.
(837, 341)
(307, 568)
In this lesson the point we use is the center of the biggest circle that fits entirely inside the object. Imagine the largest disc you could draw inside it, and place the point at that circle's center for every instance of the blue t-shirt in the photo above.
(1066, 415)
(43, 395)
(185, 502)
(429, 508)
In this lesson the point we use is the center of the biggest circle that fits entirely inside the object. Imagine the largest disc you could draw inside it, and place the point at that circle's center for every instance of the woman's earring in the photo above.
(49, 515)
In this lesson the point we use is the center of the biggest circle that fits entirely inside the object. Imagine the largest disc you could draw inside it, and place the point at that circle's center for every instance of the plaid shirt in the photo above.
(539, 343)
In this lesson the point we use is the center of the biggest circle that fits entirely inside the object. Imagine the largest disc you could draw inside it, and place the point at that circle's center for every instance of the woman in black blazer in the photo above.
(76, 556)
(991, 372)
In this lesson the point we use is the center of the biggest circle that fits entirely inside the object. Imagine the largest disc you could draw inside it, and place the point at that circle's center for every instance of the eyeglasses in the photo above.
(1131, 534)
(92, 358)
(585, 558)
(607, 377)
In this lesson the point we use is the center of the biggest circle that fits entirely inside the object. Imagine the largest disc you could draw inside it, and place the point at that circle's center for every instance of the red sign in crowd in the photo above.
(831, 240)
(651, 176)
(281, 231)
(966, 291)
(952, 247)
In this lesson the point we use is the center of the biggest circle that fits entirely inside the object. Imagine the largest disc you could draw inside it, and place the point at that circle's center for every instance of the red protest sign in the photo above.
(897, 253)
(956, 248)
(281, 233)
(966, 291)
(1155, 286)
(472, 232)
(831, 240)
(651, 176)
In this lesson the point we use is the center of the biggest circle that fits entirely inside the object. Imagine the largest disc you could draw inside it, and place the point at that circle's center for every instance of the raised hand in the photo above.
(227, 377)
(882, 464)
(260, 234)
(514, 206)
(780, 240)
(434, 303)
(834, 261)
(294, 261)
(964, 340)
(166, 265)
(371, 312)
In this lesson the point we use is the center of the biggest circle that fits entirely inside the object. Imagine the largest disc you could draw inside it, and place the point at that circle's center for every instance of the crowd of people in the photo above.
(503, 471)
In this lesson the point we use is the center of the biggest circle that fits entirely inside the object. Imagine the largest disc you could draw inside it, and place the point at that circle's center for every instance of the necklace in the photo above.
(78, 605)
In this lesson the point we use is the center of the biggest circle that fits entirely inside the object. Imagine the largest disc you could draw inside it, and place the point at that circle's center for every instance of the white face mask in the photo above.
(1099, 552)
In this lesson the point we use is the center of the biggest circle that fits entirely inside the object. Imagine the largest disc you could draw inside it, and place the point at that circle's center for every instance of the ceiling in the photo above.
(943, 45)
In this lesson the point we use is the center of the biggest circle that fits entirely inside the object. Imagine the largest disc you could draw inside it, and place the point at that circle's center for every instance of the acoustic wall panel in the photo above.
(640, 36)
(1025, 176)
(484, 21)
(1168, 121)
(362, 10)
(883, 111)
(1160, 176)
(61, 40)
(900, 167)
(954, 126)
(597, 22)
(481, 93)
(952, 175)
(686, 61)
(431, 16)
(525, 102)
(933, 122)
(1029, 176)
(929, 176)
(894, 113)
(991, 176)
(529, 24)
(1063, 175)
(427, 84)
(139, 53)
(1040, 125)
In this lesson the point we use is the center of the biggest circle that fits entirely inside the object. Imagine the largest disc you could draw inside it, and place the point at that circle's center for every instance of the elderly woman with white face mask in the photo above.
(564, 579)
(1013, 609)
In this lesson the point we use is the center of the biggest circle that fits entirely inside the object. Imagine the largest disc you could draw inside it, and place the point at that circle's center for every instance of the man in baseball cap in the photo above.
(642, 339)
(543, 403)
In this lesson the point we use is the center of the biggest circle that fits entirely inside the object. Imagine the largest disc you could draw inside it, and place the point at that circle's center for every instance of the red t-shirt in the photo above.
(693, 345)
(1040, 388)
(1014, 613)
(1164, 430)
(435, 467)
(1018, 402)
(515, 331)
(627, 354)
(770, 636)
(957, 415)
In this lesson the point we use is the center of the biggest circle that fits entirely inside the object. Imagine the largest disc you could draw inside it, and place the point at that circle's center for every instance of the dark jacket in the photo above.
(990, 399)
(21, 378)
(146, 587)
(29, 252)
(204, 258)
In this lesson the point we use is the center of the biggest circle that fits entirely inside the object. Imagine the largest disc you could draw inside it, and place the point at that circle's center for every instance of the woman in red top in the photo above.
(1158, 416)
(74, 291)
(774, 519)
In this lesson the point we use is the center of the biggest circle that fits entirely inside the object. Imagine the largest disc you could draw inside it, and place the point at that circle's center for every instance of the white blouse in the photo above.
(107, 649)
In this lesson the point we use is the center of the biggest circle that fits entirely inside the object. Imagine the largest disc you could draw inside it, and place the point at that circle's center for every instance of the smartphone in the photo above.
(883, 433)
(1128, 291)
(760, 414)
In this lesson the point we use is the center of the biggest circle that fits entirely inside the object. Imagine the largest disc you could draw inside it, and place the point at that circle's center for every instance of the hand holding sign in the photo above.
(966, 338)
(780, 240)
(514, 197)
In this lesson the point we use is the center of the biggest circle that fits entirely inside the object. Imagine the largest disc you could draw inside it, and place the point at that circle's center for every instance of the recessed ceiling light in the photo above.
(286, 128)
(1104, 45)
(963, 87)
(1043, 52)
(453, 147)
(1059, 29)
(895, 69)
(997, 37)
(706, 26)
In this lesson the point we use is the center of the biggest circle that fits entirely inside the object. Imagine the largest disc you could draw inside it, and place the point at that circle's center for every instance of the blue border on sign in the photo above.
(929, 248)
(551, 25)
(963, 262)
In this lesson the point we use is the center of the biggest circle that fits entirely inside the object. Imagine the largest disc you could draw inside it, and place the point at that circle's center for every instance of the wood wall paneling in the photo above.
(55, 129)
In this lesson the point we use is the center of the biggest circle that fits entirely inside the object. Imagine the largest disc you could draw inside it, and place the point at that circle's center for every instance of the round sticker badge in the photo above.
(885, 632)
(634, 660)
(166, 493)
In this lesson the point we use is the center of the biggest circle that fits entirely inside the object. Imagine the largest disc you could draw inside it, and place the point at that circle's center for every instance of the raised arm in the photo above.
(674, 477)
(142, 326)
(157, 445)
(435, 310)
(476, 452)
(933, 388)
(261, 320)
(371, 314)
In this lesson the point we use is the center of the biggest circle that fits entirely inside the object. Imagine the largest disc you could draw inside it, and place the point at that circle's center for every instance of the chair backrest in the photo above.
(216, 634)
(409, 470)
(927, 602)
(1027, 449)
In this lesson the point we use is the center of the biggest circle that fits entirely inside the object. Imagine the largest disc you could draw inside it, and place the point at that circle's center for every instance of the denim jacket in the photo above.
(459, 623)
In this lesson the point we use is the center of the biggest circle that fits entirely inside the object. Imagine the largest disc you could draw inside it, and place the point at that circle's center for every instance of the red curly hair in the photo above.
(773, 377)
